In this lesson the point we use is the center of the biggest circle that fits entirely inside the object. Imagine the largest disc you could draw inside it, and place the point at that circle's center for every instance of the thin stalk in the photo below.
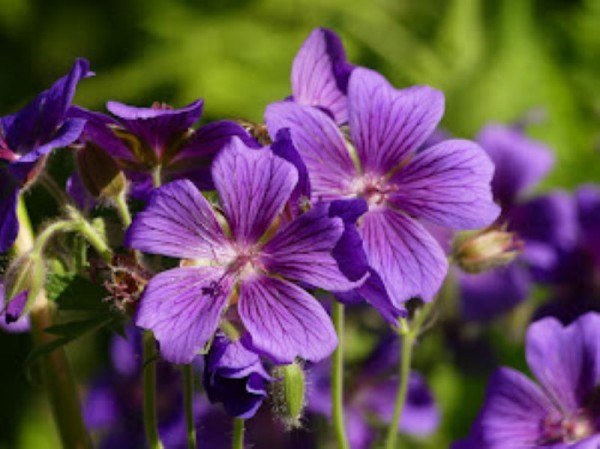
(149, 381)
(407, 340)
(57, 377)
(123, 209)
(188, 380)
(238, 433)
(337, 379)
(94, 239)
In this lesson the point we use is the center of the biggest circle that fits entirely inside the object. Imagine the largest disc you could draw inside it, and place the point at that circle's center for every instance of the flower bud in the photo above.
(487, 249)
(288, 394)
(23, 282)
(99, 172)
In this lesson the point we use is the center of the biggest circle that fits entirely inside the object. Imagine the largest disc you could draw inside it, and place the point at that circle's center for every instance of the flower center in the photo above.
(246, 262)
(566, 429)
(373, 188)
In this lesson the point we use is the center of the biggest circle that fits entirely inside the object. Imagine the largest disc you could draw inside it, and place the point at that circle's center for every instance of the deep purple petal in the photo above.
(285, 322)
(448, 184)
(588, 213)
(302, 251)
(284, 148)
(183, 307)
(409, 261)
(126, 353)
(254, 186)
(487, 295)
(566, 360)
(79, 193)
(9, 223)
(101, 407)
(320, 144)
(386, 124)
(320, 74)
(8, 313)
(514, 410)
(178, 222)
(520, 162)
(194, 159)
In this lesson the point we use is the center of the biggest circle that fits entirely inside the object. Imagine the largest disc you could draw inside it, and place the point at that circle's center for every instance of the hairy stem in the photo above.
(149, 380)
(337, 379)
(57, 377)
(188, 380)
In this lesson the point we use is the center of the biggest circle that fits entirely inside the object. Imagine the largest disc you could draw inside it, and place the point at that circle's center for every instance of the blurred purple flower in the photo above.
(563, 410)
(448, 184)
(13, 309)
(235, 377)
(26, 139)
(254, 259)
(158, 141)
(372, 393)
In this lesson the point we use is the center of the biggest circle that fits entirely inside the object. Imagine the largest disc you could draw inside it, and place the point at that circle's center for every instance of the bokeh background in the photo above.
(496, 60)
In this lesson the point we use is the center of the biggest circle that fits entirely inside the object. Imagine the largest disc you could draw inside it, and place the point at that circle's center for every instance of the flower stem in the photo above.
(188, 380)
(94, 239)
(337, 379)
(408, 335)
(238, 433)
(122, 209)
(56, 373)
(149, 380)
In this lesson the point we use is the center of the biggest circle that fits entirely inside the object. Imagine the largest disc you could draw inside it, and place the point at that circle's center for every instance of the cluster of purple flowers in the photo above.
(340, 190)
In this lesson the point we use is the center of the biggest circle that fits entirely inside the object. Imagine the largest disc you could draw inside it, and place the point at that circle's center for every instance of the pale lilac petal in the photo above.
(284, 322)
(320, 74)
(387, 124)
(178, 222)
(410, 262)
(302, 251)
(448, 184)
(254, 186)
(520, 162)
(566, 360)
(8, 313)
(513, 412)
(183, 307)
(360, 435)
(320, 144)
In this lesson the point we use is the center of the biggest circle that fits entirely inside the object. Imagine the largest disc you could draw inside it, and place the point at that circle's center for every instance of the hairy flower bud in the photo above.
(288, 394)
(23, 282)
(99, 172)
(487, 249)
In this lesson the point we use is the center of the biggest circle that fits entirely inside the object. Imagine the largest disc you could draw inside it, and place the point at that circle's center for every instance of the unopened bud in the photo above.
(487, 249)
(288, 392)
(99, 172)
(23, 281)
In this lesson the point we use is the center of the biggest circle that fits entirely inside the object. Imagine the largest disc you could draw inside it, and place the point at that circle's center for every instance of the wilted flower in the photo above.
(487, 249)
(240, 257)
(448, 184)
(26, 139)
(561, 412)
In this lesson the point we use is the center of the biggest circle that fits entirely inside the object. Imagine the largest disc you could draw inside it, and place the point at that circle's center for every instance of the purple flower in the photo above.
(239, 257)
(562, 411)
(234, 376)
(27, 137)
(372, 393)
(158, 141)
(320, 74)
(447, 184)
(13, 309)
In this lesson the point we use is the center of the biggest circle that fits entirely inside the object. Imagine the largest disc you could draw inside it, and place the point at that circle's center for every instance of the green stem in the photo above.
(123, 209)
(337, 379)
(149, 380)
(188, 380)
(57, 377)
(94, 239)
(405, 359)
(238, 433)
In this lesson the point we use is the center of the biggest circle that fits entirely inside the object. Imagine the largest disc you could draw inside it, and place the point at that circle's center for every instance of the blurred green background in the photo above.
(496, 60)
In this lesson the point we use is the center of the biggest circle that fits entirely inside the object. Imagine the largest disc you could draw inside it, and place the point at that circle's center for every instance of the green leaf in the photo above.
(76, 293)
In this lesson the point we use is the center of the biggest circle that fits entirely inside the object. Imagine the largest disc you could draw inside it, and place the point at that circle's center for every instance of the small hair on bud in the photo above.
(288, 393)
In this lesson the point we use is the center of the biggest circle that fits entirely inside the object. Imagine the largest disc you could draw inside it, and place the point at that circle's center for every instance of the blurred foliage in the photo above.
(496, 60)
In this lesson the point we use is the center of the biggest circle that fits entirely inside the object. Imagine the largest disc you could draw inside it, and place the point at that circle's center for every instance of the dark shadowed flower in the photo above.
(26, 139)
(320, 74)
(447, 184)
(542, 223)
(237, 260)
(369, 403)
(158, 144)
(235, 377)
(560, 412)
